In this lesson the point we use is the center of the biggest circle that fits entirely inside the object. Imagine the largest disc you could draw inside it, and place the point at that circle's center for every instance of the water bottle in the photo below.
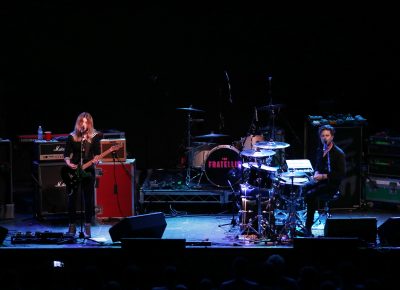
(40, 133)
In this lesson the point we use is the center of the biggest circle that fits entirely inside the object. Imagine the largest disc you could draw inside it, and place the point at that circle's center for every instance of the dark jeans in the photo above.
(312, 192)
(85, 188)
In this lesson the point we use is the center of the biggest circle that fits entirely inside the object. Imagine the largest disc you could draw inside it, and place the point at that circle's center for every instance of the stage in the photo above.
(209, 230)
(200, 245)
(206, 229)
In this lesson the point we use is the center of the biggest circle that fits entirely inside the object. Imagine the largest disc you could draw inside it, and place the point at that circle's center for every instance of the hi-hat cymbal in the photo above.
(270, 107)
(257, 154)
(261, 166)
(271, 145)
(294, 174)
(211, 135)
(190, 109)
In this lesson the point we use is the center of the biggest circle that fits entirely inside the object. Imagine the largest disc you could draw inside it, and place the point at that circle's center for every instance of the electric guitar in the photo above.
(72, 177)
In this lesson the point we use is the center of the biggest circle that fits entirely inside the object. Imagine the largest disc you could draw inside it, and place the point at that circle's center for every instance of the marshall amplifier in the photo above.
(49, 150)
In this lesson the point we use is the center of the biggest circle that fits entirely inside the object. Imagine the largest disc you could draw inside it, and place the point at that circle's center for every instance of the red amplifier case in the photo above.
(115, 190)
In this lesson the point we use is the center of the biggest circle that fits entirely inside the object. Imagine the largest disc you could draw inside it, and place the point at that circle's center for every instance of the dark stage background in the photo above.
(131, 66)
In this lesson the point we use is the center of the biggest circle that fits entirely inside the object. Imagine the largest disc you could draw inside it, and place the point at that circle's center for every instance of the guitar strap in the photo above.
(87, 145)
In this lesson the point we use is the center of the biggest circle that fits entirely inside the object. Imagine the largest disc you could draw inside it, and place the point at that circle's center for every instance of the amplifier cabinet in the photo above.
(382, 165)
(51, 195)
(120, 154)
(115, 191)
(6, 184)
(382, 189)
(49, 150)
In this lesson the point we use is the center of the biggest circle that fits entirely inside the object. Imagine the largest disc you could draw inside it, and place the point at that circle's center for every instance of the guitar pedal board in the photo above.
(41, 238)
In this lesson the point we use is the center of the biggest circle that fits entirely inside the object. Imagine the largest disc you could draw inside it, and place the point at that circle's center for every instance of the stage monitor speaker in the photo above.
(389, 232)
(3, 234)
(150, 225)
(362, 228)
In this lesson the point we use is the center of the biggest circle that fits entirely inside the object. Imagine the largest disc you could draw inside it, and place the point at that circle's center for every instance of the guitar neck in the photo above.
(89, 163)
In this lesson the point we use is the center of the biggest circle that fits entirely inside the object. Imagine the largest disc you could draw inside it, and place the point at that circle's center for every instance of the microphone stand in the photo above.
(328, 158)
(81, 234)
(233, 220)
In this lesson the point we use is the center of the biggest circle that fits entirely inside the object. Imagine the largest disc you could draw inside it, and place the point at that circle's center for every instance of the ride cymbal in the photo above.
(257, 154)
(190, 109)
(271, 145)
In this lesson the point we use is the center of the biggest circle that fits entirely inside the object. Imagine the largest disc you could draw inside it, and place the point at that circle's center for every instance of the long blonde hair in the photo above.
(91, 131)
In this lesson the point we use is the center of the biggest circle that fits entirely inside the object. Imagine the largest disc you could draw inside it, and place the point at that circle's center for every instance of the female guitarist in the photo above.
(81, 154)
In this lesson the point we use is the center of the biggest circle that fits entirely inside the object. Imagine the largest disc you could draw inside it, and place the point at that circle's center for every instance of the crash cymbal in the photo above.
(270, 107)
(257, 154)
(261, 166)
(211, 135)
(271, 145)
(294, 174)
(190, 109)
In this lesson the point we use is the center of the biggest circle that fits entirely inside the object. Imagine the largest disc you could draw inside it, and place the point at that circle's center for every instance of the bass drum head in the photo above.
(220, 162)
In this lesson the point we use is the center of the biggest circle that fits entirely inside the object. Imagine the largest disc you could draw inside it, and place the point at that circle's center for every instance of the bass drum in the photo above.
(221, 161)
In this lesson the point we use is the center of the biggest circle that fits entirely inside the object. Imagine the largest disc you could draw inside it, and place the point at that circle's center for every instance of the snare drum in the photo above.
(291, 192)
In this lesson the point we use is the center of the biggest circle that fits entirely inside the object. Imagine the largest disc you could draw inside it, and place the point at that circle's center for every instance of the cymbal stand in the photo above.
(293, 220)
(189, 159)
(272, 110)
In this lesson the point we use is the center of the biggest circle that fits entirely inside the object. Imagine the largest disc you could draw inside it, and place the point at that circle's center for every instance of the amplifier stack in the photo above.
(383, 179)
(6, 180)
(51, 195)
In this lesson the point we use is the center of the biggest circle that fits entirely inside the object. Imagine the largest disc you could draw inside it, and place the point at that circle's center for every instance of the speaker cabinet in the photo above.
(115, 192)
(150, 225)
(350, 139)
(6, 185)
(389, 232)
(363, 228)
(51, 195)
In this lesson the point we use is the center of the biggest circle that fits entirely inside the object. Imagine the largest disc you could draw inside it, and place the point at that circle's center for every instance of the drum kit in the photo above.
(265, 190)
